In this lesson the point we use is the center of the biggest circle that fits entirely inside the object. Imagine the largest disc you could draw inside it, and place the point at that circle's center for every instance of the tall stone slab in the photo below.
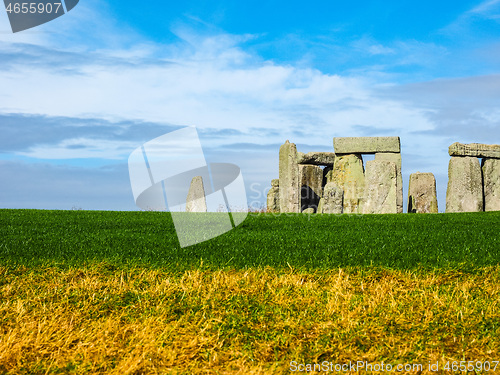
(311, 186)
(475, 149)
(465, 185)
(348, 174)
(332, 201)
(366, 145)
(273, 197)
(289, 191)
(196, 201)
(395, 158)
(491, 183)
(381, 188)
(422, 197)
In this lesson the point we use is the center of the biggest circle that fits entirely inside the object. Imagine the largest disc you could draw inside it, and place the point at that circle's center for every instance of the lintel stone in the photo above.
(475, 150)
(366, 145)
(316, 158)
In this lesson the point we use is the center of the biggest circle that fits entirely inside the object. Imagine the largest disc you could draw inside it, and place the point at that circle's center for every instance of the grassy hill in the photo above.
(113, 293)
(404, 241)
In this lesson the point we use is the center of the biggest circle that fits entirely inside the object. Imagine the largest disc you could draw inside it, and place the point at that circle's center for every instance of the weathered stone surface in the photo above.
(348, 174)
(491, 183)
(273, 199)
(311, 186)
(289, 178)
(395, 158)
(381, 188)
(275, 182)
(196, 201)
(465, 187)
(332, 201)
(475, 149)
(320, 205)
(422, 197)
(316, 158)
(309, 210)
(326, 174)
(366, 145)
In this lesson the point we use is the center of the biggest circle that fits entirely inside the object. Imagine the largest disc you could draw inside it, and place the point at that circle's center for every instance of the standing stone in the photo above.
(422, 197)
(395, 158)
(289, 191)
(273, 197)
(465, 185)
(195, 201)
(311, 186)
(366, 145)
(381, 188)
(348, 174)
(332, 201)
(326, 173)
(491, 183)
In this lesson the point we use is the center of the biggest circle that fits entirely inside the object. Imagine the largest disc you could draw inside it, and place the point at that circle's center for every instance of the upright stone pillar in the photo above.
(491, 182)
(273, 197)
(386, 149)
(332, 201)
(465, 185)
(289, 191)
(422, 197)
(311, 186)
(381, 188)
(196, 201)
(395, 158)
(348, 174)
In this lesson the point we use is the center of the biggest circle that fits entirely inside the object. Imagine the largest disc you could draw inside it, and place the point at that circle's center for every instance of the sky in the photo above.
(80, 93)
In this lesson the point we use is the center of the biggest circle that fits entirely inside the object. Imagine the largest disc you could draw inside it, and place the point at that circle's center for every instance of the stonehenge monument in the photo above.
(340, 187)
(473, 187)
(338, 182)
(386, 149)
(422, 197)
(196, 201)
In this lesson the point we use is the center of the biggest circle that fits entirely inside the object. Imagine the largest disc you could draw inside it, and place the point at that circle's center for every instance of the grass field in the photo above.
(112, 292)
(306, 242)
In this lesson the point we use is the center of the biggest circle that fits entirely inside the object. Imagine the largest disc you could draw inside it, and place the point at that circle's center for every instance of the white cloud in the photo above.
(208, 83)
(485, 7)
(81, 148)
(471, 23)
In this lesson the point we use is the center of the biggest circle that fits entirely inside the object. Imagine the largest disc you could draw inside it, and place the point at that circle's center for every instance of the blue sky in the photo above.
(78, 94)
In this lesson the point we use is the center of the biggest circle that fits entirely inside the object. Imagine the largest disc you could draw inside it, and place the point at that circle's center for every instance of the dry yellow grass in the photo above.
(140, 321)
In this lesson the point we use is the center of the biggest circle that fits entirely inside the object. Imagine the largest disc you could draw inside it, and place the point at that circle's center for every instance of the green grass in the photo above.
(409, 241)
(113, 293)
